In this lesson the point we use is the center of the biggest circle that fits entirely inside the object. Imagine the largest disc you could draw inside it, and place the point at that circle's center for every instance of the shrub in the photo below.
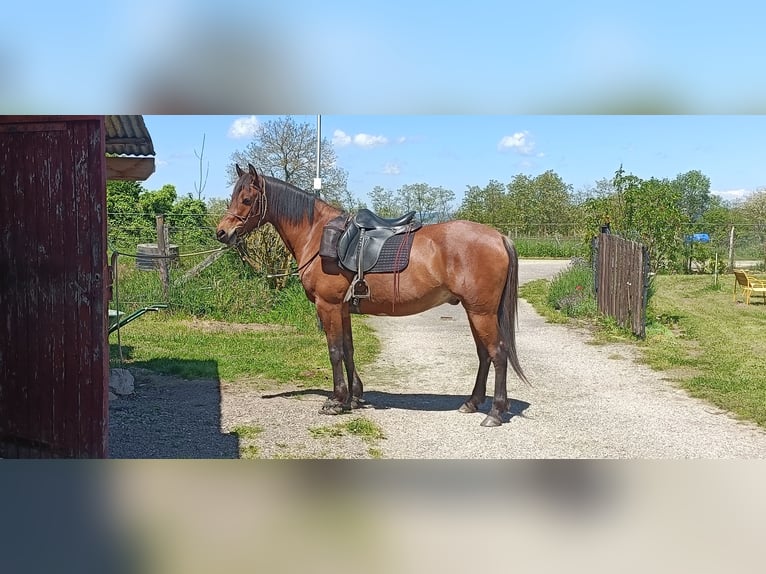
(571, 290)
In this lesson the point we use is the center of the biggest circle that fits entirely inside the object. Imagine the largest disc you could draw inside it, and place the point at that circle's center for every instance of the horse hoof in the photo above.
(467, 408)
(332, 407)
(358, 403)
(491, 421)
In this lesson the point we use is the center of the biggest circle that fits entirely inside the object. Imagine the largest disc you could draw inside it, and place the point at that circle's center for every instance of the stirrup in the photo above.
(357, 290)
(360, 289)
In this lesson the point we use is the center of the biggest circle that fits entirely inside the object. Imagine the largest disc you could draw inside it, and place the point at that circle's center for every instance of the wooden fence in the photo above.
(622, 280)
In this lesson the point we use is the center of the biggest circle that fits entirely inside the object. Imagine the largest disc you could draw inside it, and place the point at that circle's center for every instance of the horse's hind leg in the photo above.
(486, 330)
(478, 395)
(348, 358)
(331, 317)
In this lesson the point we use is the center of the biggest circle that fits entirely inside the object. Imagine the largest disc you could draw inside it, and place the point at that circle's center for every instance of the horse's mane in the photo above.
(287, 201)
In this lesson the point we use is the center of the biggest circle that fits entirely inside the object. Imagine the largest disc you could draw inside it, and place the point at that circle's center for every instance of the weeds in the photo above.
(571, 291)
(359, 426)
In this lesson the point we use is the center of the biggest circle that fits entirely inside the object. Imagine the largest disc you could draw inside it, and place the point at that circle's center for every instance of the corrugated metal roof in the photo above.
(127, 135)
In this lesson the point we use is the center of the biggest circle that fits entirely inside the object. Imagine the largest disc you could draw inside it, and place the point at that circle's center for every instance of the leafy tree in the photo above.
(487, 205)
(432, 204)
(753, 212)
(125, 221)
(132, 212)
(649, 212)
(540, 204)
(384, 202)
(693, 188)
(188, 218)
(286, 149)
(158, 202)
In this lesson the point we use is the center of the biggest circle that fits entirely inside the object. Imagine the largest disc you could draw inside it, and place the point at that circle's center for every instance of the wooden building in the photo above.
(55, 280)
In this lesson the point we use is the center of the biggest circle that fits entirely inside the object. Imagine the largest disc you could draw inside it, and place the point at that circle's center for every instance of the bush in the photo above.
(571, 290)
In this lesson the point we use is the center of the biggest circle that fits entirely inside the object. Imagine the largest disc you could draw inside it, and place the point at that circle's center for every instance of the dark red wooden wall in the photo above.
(53, 281)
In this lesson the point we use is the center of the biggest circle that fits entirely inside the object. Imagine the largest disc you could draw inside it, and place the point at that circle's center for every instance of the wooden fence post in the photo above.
(162, 247)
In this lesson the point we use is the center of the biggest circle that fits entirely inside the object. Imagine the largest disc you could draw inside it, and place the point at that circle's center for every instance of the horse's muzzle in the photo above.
(227, 237)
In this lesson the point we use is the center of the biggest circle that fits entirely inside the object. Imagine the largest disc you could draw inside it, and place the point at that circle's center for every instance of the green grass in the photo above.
(173, 344)
(250, 452)
(247, 431)
(359, 426)
(721, 344)
(259, 335)
(712, 346)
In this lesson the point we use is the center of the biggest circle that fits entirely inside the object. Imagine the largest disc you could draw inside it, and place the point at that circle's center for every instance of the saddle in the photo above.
(367, 243)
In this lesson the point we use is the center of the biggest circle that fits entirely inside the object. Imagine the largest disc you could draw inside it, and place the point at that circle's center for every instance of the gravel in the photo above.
(585, 401)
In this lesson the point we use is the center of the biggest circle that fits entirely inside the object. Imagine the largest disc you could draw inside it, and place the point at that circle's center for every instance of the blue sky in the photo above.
(341, 57)
(456, 151)
(385, 68)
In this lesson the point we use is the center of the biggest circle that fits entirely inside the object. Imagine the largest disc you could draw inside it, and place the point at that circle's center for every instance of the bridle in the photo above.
(257, 209)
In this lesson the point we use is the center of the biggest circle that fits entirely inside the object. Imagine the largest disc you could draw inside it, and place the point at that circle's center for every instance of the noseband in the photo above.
(257, 209)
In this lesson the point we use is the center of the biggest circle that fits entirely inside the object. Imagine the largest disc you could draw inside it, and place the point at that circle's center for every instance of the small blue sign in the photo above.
(697, 238)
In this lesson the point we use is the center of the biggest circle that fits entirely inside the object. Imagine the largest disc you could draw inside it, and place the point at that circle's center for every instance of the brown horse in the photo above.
(454, 262)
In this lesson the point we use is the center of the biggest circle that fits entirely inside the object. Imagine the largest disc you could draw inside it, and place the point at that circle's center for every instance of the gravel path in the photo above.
(586, 401)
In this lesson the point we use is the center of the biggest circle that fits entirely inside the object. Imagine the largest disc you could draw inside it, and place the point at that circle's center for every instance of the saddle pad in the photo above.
(394, 256)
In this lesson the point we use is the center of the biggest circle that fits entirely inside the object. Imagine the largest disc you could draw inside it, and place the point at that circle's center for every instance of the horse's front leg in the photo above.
(357, 388)
(332, 322)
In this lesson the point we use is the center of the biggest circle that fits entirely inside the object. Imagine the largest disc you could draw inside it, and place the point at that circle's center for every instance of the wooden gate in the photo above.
(53, 281)
(622, 280)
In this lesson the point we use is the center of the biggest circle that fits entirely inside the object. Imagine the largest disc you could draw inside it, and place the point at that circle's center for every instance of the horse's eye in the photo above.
(247, 200)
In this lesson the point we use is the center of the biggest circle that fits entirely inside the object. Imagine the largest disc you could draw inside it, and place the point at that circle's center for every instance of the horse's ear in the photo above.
(253, 172)
(239, 170)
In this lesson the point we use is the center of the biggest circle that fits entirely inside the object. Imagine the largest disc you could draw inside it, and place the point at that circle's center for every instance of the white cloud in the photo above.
(732, 194)
(519, 142)
(340, 138)
(391, 169)
(366, 140)
(401, 139)
(243, 127)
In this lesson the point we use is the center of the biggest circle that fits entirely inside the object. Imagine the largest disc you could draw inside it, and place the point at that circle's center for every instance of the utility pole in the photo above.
(318, 178)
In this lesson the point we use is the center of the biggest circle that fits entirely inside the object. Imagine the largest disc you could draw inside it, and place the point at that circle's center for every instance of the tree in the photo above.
(487, 205)
(753, 211)
(541, 205)
(125, 222)
(287, 150)
(649, 211)
(693, 188)
(158, 202)
(432, 204)
(384, 202)
(188, 218)
(132, 212)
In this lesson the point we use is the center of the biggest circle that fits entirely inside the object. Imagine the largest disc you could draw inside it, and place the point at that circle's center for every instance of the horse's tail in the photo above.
(507, 313)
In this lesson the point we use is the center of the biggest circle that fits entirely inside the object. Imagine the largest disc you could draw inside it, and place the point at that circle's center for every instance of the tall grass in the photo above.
(227, 290)
(572, 292)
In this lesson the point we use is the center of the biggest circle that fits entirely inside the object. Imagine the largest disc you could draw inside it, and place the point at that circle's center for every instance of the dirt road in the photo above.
(586, 401)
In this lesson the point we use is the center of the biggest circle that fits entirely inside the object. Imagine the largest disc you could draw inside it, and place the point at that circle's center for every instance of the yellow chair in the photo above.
(750, 286)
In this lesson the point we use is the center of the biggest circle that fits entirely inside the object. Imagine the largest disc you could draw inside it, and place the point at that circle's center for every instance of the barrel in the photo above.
(145, 253)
